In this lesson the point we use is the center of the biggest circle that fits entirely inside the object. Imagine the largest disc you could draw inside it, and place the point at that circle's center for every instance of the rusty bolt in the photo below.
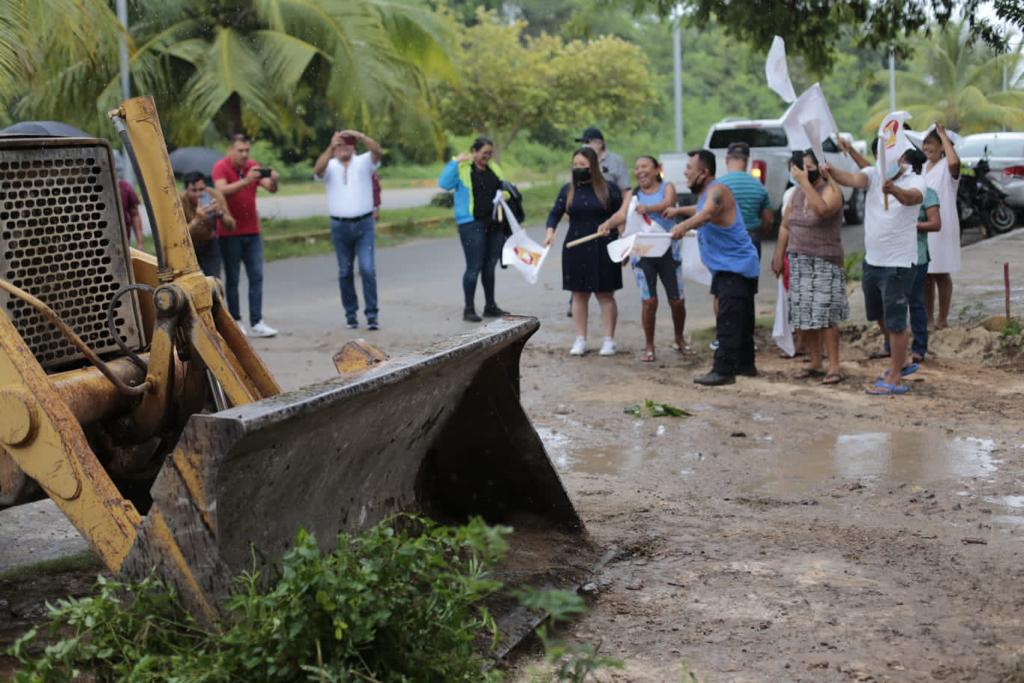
(18, 424)
(167, 299)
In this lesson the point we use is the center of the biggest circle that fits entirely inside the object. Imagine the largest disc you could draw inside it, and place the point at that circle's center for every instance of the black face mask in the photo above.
(580, 175)
(813, 176)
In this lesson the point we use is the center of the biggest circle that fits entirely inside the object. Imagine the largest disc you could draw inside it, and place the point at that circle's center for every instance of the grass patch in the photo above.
(83, 561)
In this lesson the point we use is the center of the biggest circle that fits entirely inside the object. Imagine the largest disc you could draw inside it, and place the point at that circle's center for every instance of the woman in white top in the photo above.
(942, 174)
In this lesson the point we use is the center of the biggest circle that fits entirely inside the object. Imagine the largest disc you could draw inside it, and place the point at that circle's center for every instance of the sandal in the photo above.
(808, 373)
(682, 350)
(833, 378)
(907, 371)
(881, 388)
(917, 359)
(647, 356)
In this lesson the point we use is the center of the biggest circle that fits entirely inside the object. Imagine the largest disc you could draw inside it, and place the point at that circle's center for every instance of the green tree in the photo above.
(958, 83)
(509, 83)
(241, 64)
(812, 27)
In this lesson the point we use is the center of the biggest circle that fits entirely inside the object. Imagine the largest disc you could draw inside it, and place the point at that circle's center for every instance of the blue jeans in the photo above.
(236, 250)
(209, 257)
(918, 314)
(482, 247)
(352, 240)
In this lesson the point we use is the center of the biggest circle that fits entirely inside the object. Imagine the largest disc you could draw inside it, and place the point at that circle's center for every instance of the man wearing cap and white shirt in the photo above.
(348, 179)
(612, 166)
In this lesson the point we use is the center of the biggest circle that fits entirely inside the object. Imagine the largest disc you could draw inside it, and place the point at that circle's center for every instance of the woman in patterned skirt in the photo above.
(810, 233)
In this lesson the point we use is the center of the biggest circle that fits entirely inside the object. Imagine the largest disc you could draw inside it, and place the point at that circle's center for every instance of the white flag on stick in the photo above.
(782, 331)
(810, 106)
(813, 130)
(641, 244)
(520, 250)
(917, 137)
(892, 143)
(693, 266)
(776, 70)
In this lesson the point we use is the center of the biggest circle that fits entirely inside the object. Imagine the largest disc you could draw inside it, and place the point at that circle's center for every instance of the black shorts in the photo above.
(649, 270)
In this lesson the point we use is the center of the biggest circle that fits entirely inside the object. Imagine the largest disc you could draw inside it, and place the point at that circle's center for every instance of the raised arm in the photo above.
(718, 203)
(952, 158)
(845, 145)
(321, 161)
(826, 204)
(449, 179)
(856, 179)
(372, 146)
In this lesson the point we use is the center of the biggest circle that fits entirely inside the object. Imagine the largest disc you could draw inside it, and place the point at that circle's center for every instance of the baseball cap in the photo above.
(738, 149)
(591, 134)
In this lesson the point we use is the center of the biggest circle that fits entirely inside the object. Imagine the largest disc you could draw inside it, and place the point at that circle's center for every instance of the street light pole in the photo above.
(892, 79)
(677, 80)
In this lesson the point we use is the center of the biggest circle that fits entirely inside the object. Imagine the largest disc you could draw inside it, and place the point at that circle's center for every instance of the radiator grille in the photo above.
(62, 239)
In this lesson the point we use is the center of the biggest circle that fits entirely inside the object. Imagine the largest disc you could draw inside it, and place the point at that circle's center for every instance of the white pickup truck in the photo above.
(769, 160)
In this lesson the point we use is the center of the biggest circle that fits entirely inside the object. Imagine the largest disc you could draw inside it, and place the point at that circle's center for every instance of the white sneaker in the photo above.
(713, 345)
(579, 347)
(261, 329)
(241, 326)
(608, 347)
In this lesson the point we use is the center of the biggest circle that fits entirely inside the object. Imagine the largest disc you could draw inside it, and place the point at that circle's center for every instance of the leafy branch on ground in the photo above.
(651, 408)
(570, 662)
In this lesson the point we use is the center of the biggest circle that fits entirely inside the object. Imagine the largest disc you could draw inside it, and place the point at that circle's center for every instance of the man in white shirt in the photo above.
(890, 244)
(348, 179)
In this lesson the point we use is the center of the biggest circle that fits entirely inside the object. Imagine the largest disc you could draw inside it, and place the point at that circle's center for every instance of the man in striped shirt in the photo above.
(749, 193)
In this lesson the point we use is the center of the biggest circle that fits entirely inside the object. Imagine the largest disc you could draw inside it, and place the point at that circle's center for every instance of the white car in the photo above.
(1005, 153)
(769, 159)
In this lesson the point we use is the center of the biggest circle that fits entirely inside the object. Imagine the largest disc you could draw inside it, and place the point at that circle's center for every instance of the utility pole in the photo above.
(677, 80)
(126, 76)
(892, 79)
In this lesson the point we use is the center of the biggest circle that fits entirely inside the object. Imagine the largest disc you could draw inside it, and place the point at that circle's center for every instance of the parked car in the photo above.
(769, 159)
(1005, 152)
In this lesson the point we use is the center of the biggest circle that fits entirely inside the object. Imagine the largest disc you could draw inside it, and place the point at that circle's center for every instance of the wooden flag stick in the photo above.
(583, 240)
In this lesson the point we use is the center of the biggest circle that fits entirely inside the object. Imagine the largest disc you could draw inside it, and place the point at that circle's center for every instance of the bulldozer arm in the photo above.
(159, 476)
(442, 433)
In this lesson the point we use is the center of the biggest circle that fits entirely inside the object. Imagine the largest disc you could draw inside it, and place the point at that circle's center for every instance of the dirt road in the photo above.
(789, 531)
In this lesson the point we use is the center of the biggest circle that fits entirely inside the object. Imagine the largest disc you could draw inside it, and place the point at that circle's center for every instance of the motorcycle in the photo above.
(980, 203)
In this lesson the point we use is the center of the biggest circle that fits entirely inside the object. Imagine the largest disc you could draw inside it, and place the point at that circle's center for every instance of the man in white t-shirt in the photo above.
(348, 179)
(890, 244)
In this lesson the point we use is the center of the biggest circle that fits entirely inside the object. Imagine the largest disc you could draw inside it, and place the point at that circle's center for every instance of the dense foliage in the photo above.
(387, 605)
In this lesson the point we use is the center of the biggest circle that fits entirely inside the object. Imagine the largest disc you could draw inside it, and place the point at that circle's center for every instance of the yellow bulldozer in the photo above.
(131, 399)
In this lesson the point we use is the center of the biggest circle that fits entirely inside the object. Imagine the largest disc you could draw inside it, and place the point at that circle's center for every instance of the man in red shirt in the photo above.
(237, 177)
(130, 206)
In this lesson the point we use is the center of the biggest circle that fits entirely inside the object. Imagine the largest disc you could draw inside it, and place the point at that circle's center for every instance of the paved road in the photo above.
(421, 301)
(305, 205)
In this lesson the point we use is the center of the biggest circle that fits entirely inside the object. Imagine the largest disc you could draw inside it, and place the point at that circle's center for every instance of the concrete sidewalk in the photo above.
(978, 287)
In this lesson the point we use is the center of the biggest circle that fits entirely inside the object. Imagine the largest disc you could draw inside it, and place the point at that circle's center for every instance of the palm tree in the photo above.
(959, 84)
(243, 64)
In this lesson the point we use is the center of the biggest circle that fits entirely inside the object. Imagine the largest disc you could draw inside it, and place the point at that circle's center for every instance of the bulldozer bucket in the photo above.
(441, 433)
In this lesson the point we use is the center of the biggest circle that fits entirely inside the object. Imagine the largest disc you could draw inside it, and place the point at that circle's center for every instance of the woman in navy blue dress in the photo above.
(587, 269)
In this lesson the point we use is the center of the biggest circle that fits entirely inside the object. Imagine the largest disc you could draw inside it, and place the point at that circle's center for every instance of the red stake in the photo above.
(1006, 288)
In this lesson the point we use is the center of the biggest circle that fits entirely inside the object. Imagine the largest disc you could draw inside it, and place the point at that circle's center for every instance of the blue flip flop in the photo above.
(882, 388)
(909, 370)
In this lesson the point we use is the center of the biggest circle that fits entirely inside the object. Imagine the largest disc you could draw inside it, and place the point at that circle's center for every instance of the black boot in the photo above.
(713, 379)
(494, 311)
(470, 316)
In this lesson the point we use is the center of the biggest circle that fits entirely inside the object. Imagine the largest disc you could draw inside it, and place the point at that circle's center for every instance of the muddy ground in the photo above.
(786, 531)
(791, 531)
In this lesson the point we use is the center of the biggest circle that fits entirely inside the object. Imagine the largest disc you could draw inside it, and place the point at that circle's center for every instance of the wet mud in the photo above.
(789, 531)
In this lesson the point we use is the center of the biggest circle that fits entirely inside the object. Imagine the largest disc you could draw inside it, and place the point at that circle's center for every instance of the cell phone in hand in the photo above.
(265, 172)
(348, 139)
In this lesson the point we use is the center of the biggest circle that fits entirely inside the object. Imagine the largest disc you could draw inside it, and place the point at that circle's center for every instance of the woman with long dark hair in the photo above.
(587, 269)
(476, 179)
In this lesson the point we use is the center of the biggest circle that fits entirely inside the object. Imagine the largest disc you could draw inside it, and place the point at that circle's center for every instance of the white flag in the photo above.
(782, 331)
(640, 244)
(636, 221)
(776, 70)
(693, 266)
(892, 143)
(813, 130)
(520, 250)
(810, 106)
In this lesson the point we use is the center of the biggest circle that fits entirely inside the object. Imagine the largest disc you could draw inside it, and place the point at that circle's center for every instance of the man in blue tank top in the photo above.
(729, 254)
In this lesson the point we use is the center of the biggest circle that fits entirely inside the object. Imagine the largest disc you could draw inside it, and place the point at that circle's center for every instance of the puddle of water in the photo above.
(891, 457)
(1012, 502)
